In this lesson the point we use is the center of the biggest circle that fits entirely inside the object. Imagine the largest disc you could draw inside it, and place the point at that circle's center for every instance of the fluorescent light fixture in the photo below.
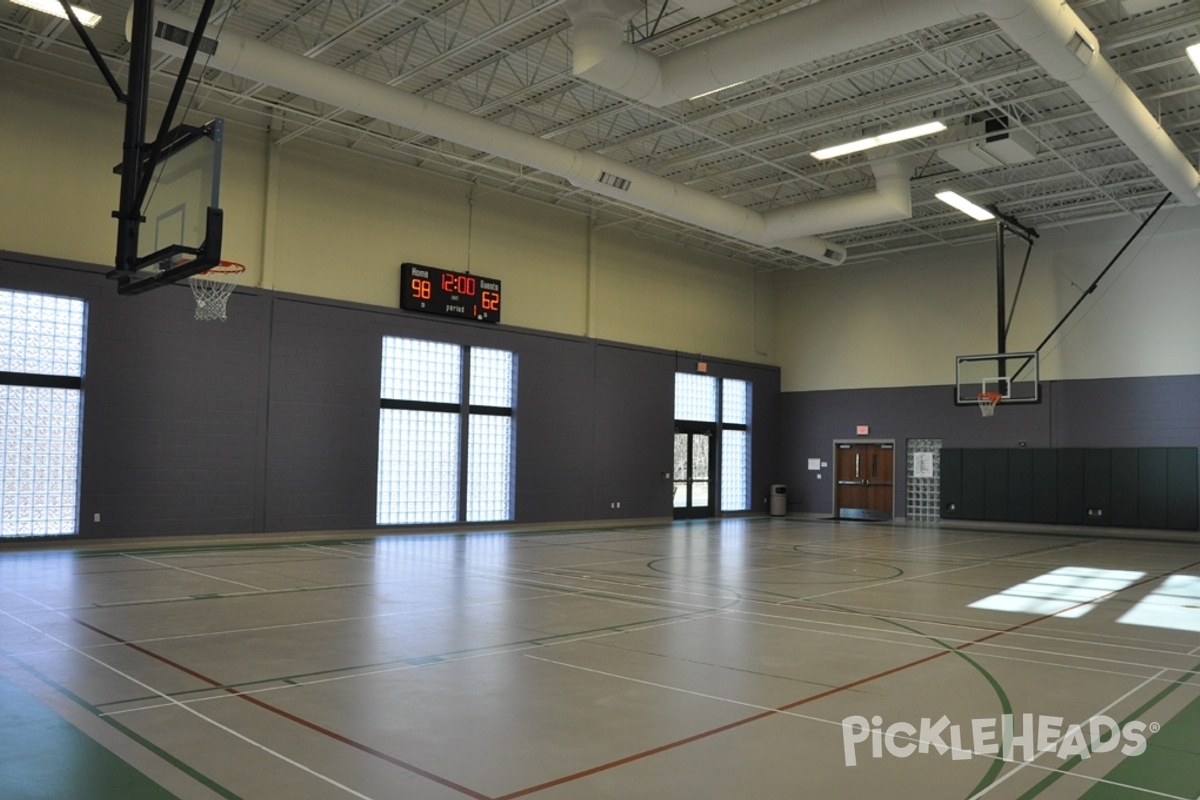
(715, 91)
(55, 8)
(964, 205)
(1194, 54)
(878, 141)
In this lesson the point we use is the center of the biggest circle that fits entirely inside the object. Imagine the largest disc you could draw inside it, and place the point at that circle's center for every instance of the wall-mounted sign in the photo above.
(923, 465)
(863, 430)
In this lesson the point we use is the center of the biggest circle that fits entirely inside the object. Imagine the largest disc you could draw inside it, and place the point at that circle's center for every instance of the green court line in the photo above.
(131, 784)
(1005, 703)
(44, 756)
(1171, 763)
(368, 535)
(451, 655)
(1137, 714)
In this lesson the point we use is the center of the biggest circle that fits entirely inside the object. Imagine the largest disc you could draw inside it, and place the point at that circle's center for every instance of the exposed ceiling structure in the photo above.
(1056, 113)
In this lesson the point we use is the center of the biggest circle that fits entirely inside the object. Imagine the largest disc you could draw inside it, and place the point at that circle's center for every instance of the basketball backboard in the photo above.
(1014, 376)
(186, 182)
(177, 230)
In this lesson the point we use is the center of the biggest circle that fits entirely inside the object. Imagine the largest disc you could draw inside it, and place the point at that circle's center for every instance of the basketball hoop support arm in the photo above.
(1104, 271)
(73, 18)
(138, 157)
(1005, 223)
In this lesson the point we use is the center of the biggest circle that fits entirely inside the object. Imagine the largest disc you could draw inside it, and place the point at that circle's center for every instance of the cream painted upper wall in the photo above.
(59, 142)
(57, 187)
(346, 223)
(903, 322)
(540, 255)
(701, 305)
(313, 219)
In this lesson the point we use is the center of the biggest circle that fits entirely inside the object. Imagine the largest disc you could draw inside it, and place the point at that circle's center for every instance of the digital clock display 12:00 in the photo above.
(454, 294)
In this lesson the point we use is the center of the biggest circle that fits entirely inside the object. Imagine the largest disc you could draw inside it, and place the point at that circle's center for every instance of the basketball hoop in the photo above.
(212, 288)
(988, 402)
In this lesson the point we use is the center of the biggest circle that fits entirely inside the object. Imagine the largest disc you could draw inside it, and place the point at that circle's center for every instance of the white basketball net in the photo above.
(987, 403)
(212, 288)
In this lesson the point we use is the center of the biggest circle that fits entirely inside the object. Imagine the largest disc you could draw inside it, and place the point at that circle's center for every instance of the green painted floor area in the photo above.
(1171, 763)
(43, 757)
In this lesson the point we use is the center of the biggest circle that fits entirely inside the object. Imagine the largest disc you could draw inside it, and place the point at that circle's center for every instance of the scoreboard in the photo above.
(453, 294)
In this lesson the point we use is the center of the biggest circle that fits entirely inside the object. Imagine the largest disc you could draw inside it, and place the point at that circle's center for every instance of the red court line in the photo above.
(821, 695)
(627, 759)
(346, 740)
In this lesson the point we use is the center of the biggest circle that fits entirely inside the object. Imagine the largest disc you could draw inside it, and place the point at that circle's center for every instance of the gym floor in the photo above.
(757, 658)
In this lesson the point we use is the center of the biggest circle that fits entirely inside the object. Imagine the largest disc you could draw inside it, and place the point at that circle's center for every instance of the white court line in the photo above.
(956, 643)
(193, 572)
(840, 724)
(793, 604)
(899, 634)
(194, 712)
(499, 650)
(1103, 711)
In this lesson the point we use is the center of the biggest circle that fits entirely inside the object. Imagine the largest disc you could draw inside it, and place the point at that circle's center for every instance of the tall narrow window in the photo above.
(41, 412)
(445, 433)
(735, 445)
(490, 436)
(419, 432)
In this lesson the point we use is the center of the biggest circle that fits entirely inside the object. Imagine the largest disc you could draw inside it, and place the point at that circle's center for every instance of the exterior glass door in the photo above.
(693, 484)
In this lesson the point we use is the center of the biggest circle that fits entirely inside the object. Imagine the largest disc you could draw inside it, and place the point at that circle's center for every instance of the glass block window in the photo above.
(418, 467)
(41, 400)
(735, 402)
(421, 371)
(695, 397)
(923, 479)
(489, 467)
(735, 470)
(735, 445)
(492, 377)
(442, 459)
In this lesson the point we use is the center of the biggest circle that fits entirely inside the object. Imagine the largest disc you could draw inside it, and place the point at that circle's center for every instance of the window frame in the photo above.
(58, 455)
(463, 410)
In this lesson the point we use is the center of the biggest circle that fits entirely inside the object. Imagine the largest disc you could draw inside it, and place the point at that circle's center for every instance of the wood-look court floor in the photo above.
(745, 658)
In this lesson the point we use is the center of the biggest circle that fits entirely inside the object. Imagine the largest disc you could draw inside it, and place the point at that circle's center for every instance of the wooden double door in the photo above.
(865, 486)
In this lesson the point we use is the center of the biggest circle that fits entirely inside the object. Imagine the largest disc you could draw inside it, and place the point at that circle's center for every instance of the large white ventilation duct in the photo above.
(1048, 30)
(821, 30)
(792, 229)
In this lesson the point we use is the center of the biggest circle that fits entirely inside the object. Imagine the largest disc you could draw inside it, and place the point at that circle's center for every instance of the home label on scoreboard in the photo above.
(453, 294)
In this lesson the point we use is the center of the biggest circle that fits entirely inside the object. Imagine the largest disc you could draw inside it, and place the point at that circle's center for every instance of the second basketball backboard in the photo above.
(1013, 376)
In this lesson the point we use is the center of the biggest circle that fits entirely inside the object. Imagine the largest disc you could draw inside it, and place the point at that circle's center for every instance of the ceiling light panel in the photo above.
(964, 205)
(890, 137)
